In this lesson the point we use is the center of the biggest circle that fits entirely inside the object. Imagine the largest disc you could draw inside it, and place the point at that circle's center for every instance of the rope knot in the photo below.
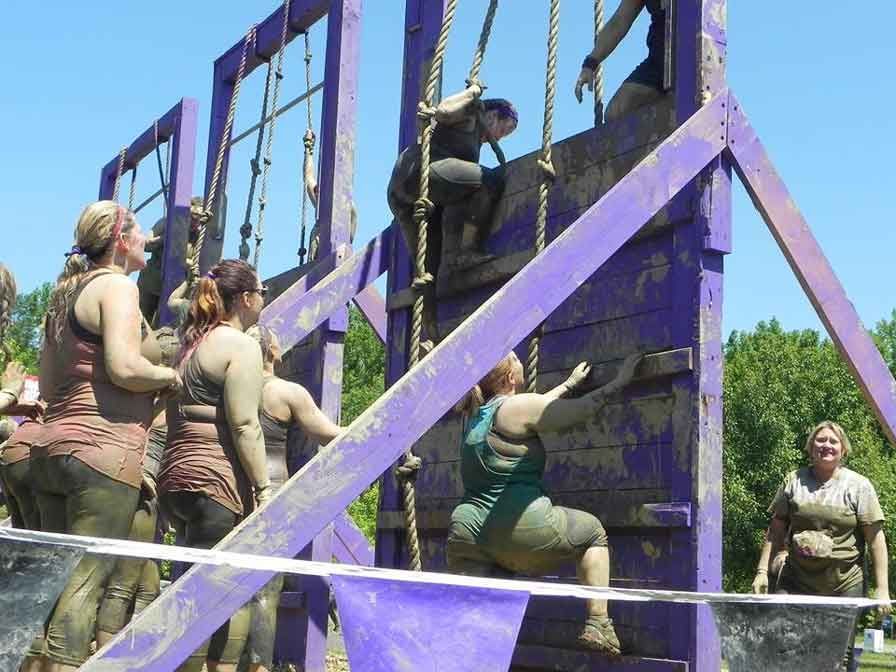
(422, 281)
(547, 168)
(408, 470)
(423, 209)
(308, 140)
(246, 230)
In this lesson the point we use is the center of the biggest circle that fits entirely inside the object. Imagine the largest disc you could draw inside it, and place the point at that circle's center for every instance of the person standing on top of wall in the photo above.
(214, 472)
(462, 192)
(505, 520)
(284, 405)
(99, 373)
(645, 85)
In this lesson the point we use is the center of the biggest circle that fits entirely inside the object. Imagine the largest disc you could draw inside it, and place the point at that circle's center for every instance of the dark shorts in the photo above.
(648, 73)
(536, 545)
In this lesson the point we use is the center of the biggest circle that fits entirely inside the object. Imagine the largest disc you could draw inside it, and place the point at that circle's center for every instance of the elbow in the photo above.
(245, 429)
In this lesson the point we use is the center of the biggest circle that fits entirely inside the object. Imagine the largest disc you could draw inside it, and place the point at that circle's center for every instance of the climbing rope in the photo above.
(115, 188)
(255, 166)
(599, 72)
(268, 152)
(484, 36)
(132, 193)
(219, 161)
(308, 142)
(163, 177)
(547, 172)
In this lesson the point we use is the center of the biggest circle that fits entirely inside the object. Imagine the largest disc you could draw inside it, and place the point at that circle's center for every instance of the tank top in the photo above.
(459, 141)
(88, 416)
(656, 34)
(200, 455)
(497, 488)
(18, 446)
(275, 436)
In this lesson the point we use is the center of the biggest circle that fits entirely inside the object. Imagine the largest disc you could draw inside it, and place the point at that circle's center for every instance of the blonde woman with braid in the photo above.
(99, 375)
(505, 520)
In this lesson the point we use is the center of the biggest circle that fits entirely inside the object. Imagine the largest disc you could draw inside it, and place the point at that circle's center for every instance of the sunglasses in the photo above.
(263, 290)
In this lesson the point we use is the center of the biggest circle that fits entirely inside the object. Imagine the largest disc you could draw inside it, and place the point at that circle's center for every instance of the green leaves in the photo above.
(23, 335)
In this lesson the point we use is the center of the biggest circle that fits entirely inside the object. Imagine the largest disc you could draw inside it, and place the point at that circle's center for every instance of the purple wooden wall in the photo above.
(650, 465)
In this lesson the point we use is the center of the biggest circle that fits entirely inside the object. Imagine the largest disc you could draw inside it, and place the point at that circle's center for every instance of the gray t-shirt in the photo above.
(825, 527)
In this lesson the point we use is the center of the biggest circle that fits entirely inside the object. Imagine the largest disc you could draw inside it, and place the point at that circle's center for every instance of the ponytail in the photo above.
(98, 227)
(213, 300)
(487, 387)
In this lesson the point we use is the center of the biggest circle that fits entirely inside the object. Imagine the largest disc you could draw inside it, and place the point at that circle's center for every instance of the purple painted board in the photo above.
(191, 609)
(811, 267)
(373, 306)
(350, 546)
(399, 625)
(301, 309)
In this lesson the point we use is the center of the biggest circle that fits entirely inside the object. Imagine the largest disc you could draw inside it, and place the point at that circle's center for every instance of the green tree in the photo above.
(777, 385)
(363, 381)
(23, 335)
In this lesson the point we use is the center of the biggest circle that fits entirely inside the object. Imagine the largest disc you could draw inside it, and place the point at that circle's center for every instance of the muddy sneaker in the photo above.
(599, 635)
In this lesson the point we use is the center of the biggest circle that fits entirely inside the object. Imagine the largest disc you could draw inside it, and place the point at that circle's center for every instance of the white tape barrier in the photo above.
(136, 549)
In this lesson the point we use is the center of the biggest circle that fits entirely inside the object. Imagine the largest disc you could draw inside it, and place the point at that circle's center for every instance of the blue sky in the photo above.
(84, 78)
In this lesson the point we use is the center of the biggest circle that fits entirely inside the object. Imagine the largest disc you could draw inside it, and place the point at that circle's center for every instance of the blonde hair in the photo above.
(98, 226)
(7, 303)
(845, 445)
(487, 387)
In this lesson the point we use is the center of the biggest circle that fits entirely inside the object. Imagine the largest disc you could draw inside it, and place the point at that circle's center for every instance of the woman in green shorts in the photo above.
(505, 521)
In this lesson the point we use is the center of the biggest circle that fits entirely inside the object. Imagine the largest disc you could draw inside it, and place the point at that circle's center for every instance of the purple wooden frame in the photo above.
(179, 125)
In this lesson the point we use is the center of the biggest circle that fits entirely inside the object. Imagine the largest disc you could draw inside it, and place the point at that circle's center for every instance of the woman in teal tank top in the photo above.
(505, 520)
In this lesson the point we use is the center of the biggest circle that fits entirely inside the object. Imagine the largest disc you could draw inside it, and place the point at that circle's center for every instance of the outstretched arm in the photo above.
(523, 414)
(309, 417)
(308, 167)
(608, 39)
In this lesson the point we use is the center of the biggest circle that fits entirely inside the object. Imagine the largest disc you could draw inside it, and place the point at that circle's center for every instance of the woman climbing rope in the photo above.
(284, 405)
(462, 190)
(135, 583)
(645, 84)
(214, 471)
(99, 374)
(505, 520)
(824, 516)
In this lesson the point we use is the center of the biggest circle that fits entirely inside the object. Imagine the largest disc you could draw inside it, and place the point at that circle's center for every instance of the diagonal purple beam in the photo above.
(191, 609)
(372, 304)
(301, 309)
(811, 267)
(350, 545)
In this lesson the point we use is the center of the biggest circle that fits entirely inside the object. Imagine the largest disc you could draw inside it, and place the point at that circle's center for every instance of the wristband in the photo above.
(590, 63)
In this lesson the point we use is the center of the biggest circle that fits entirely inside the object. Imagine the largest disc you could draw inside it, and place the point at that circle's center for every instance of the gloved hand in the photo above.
(760, 583)
(578, 376)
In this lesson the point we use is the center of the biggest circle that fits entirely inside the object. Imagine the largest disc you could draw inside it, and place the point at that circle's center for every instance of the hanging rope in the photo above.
(132, 193)
(115, 188)
(163, 179)
(222, 148)
(599, 72)
(308, 142)
(268, 152)
(547, 171)
(484, 36)
(255, 166)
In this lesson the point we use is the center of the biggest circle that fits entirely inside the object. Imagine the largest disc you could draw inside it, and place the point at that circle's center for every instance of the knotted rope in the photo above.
(308, 142)
(268, 152)
(115, 188)
(599, 72)
(163, 171)
(222, 149)
(254, 165)
(548, 173)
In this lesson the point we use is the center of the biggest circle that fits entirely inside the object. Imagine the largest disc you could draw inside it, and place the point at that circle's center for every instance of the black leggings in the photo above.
(20, 499)
(201, 523)
(73, 498)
